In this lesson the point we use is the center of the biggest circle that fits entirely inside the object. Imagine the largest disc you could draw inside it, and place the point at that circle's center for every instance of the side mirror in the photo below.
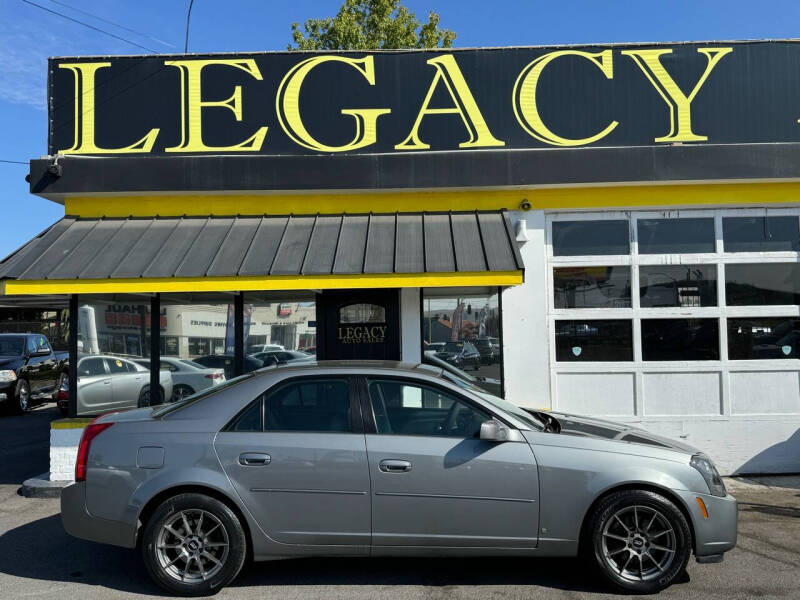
(495, 431)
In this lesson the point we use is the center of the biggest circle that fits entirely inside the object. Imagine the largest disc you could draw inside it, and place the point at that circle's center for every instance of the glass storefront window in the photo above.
(676, 236)
(590, 238)
(279, 331)
(763, 338)
(461, 334)
(677, 285)
(761, 234)
(592, 287)
(607, 340)
(752, 284)
(113, 346)
(680, 339)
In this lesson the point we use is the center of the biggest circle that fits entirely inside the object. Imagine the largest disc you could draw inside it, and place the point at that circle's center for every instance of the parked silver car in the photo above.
(108, 383)
(385, 459)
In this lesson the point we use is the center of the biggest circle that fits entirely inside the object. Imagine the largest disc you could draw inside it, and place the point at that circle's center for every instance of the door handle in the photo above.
(254, 459)
(394, 466)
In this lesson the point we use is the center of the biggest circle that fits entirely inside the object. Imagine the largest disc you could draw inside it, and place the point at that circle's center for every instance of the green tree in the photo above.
(371, 25)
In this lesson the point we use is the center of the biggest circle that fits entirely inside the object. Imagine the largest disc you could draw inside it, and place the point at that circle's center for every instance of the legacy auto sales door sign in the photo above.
(416, 101)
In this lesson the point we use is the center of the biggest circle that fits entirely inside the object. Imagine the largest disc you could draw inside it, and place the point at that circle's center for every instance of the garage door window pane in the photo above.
(762, 283)
(680, 339)
(678, 285)
(675, 236)
(590, 238)
(594, 340)
(761, 234)
(592, 287)
(764, 338)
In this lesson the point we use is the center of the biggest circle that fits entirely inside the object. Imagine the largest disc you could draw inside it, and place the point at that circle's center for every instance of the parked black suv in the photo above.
(30, 372)
(486, 350)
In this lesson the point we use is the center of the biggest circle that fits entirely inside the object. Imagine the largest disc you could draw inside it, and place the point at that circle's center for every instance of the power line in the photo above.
(188, 16)
(88, 14)
(103, 31)
(13, 162)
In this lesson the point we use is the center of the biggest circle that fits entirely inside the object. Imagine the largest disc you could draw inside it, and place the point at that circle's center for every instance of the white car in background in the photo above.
(264, 348)
(188, 377)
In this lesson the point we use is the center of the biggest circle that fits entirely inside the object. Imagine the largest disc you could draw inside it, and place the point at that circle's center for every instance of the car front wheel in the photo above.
(193, 545)
(23, 403)
(640, 540)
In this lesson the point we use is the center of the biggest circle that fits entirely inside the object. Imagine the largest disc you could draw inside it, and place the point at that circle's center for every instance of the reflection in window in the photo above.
(273, 326)
(761, 234)
(762, 283)
(760, 338)
(592, 287)
(462, 334)
(316, 405)
(678, 285)
(362, 313)
(405, 409)
(594, 340)
(590, 238)
(680, 339)
(675, 236)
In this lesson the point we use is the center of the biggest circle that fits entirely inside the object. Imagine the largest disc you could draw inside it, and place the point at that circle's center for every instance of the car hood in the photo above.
(591, 427)
(10, 362)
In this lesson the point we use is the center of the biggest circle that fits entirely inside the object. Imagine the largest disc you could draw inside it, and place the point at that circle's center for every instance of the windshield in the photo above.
(446, 366)
(173, 406)
(12, 346)
(497, 402)
(453, 346)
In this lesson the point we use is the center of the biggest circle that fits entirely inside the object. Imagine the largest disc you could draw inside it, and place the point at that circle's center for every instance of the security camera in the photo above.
(525, 205)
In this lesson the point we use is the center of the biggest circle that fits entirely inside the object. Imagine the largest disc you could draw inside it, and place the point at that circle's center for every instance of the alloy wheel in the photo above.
(639, 543)
(192, 546)
(24, 397)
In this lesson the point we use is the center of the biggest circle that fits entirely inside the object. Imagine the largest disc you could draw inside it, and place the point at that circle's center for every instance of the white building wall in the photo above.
(744, 414)
(526, 358)
(410, 329)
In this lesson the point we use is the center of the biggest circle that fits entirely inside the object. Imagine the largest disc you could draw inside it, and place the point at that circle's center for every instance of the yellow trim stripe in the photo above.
(415, 201)
(274, 282)
(69, 423)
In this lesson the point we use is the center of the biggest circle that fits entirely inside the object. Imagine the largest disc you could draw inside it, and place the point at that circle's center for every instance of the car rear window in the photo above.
(166, 409)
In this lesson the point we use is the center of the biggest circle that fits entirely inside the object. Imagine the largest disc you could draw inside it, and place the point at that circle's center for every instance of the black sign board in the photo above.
(358, 324)
(407, 102)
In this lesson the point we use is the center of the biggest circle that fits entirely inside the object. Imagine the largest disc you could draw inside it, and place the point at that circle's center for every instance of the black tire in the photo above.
(233, 559)
(658, 570)
(181, 391)
(22, 397)
(145, 399)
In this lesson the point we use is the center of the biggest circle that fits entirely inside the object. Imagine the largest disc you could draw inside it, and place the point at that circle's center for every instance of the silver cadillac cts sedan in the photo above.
(388, 459)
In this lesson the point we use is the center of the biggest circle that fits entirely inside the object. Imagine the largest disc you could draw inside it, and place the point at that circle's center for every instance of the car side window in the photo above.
(117, 366)
(251, 419)
(32, 347)
(91, 367)
(405, 408)
(308, 405)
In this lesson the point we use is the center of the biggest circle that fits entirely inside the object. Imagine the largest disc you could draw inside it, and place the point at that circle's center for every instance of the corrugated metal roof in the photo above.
(75, 248)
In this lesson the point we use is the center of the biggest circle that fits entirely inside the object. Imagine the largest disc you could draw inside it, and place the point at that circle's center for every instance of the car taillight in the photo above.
(91, 431)
(215, 375)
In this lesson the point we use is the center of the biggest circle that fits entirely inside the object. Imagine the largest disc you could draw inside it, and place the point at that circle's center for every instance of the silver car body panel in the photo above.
(324, 493)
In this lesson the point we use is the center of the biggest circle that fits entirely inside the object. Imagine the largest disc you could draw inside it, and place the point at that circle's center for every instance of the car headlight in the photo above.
(709, 472)
(7, 376)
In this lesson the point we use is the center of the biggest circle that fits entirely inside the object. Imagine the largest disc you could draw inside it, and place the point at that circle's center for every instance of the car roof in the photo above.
(350, 365)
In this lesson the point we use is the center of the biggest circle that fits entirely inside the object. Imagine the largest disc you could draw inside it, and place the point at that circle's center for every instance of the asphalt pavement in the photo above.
(39, 560)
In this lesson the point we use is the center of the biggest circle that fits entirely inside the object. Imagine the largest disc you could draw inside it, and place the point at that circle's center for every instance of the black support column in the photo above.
(238, 334)
(155, 350)
(72, 403)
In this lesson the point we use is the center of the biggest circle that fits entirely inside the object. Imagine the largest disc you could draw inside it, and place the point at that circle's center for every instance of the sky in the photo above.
(28, 35)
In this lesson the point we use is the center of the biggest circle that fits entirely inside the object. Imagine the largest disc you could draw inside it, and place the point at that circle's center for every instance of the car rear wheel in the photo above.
(181, 391)
(640, 540)
(146, 399)
(193, 545)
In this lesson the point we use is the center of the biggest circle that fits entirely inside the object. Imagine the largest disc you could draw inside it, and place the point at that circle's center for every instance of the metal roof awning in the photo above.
(152, 255)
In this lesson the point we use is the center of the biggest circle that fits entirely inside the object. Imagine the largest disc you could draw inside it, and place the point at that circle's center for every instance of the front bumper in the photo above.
(7, 390)
(716, 534)
(79, 523)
